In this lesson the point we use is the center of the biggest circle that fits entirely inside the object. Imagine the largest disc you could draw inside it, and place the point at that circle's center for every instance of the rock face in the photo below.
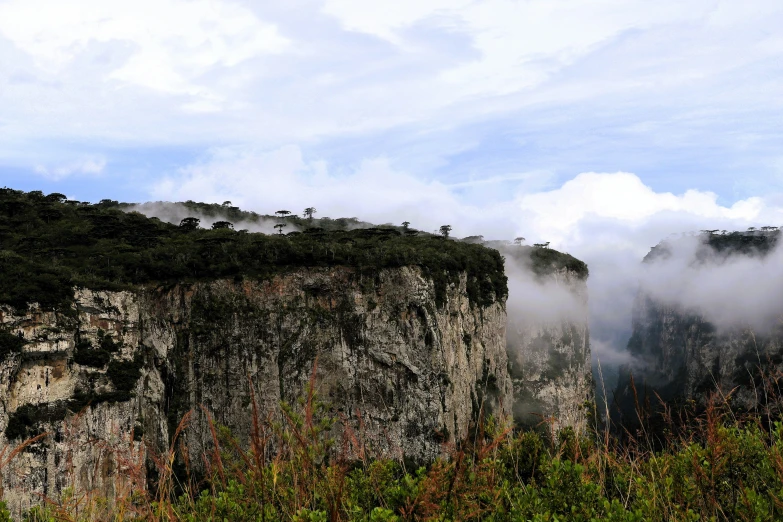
(681, 357)
(550, 362)
(415, 373)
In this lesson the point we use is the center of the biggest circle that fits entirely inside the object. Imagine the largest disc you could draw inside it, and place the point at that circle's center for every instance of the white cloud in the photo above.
(611, 220)
(169, 43)
(91, 165)
(738, 290)
(623, 200)
(227, 71)
(591, 214)
(520, 44)
(266, 181)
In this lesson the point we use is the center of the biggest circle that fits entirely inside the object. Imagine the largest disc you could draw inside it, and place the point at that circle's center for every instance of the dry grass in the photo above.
(716, 465)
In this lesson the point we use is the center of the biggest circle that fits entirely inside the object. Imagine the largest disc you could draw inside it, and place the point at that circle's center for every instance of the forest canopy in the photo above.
(49, 245)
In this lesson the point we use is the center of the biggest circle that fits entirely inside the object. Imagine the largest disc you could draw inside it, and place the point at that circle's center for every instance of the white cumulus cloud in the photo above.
(167, 44)
(609, 220)
(266, 181)
(570, 215)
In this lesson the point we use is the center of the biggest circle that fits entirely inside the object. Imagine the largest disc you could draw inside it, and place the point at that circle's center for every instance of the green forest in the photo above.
(48, 245)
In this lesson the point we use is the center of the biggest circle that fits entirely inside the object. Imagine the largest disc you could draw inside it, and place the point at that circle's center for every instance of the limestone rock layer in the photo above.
(404, 373)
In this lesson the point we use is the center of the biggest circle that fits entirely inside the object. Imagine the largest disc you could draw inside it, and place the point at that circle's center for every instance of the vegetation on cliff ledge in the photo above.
(752, 242)
(48, 245)
(542, 261)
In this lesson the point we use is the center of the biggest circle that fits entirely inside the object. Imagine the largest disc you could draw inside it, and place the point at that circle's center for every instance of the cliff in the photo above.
(405, 373)
(550, 363)
(548, 339)
(408, 331)
(681, 357)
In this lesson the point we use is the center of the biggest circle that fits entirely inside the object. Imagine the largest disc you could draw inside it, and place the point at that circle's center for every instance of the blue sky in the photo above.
(480, 112)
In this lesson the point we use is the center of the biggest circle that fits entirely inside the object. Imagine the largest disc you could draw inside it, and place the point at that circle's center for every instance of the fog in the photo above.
(534, 300)
(728, 291)
(738, 290)
(176, 212)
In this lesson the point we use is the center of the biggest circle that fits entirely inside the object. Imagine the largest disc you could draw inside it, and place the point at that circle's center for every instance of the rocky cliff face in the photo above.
(550, 362)
(416, 373)
(681, 356)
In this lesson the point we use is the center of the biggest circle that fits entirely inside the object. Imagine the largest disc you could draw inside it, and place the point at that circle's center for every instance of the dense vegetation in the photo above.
(544, 260)
(48, 245)
(724, 468)
(752, 242)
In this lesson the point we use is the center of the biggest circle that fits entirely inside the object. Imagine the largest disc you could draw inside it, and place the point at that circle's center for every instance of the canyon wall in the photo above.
(680, 357)
(550, 362)
(408, 374)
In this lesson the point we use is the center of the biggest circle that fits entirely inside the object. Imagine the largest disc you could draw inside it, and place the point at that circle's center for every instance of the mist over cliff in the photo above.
(706, 319)
(730, 279)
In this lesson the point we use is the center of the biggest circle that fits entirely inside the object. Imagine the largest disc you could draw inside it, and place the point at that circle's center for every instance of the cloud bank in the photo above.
(608, 220)
(265, 181)
(729, 291)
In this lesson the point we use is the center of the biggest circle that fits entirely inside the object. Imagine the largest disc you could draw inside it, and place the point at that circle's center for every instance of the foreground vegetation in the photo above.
(720, 468)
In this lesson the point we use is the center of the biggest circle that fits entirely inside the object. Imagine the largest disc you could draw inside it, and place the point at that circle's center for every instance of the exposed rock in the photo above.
(680, 357)
(550, 362)
(412, 375)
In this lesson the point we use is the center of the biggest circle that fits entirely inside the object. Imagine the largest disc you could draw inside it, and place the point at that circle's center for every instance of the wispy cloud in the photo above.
(577, 85)
(92, 165)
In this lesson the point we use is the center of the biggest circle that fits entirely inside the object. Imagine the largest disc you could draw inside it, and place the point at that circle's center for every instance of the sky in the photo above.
(601, 126)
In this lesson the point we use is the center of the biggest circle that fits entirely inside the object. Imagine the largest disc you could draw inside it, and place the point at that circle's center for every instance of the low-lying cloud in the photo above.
(175, 212)
(728, 291)
(264, 181)
(541, 300)
(608, 220)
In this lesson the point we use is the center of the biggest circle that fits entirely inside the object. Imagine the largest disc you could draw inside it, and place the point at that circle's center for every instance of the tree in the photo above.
(226, 203)
(283, 213)
(56, 197)
(190, 223)
(519, 240)
(309, 211)
(445, 230)
(279, 228)
(222, 224)
(405, 225)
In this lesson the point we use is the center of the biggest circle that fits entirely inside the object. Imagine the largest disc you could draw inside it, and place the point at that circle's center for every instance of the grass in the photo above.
(302, 465)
